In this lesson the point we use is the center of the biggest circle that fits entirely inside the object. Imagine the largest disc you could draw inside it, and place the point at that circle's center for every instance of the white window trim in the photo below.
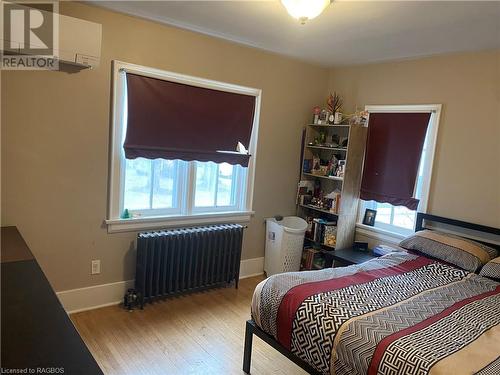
(116, 165)
(389, 236)
(155, 222)
(379, 233)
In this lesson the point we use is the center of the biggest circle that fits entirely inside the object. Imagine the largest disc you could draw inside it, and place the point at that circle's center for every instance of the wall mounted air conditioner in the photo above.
(79, 42)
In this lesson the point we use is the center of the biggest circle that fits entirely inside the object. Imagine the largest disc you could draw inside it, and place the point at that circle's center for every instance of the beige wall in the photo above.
(466, 176)
(55, 130)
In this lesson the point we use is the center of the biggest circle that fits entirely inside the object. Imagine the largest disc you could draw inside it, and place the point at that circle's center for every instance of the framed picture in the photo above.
(369, 218)
(323, 117)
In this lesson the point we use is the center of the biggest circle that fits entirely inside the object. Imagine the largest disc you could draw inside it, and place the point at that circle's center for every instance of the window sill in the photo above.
(156, 222)
(379, 234)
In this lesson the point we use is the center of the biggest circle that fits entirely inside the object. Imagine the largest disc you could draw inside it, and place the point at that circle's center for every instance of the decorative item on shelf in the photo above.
(309, 229)
(340, 169)
(320, 203)
(344, 141)
(332, 166)
(331, 118)
(316, 164)
(316, 112)
(323, 117)
(357, 118)
(330, 235)
(321, 138)
(334, 201)
(317, 140)
(305, 189)
(316, 202)
(337, 118)
(125, 214)
(362, 118)
(306, 168)
(323, 169)
(334, 103)
(369, 218)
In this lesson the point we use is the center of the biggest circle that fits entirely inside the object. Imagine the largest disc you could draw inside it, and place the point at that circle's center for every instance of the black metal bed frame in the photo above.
(420, 225)
(456, 223)
(253, 329)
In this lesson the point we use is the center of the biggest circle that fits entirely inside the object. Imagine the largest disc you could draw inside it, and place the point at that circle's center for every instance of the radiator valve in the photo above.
(133, 299)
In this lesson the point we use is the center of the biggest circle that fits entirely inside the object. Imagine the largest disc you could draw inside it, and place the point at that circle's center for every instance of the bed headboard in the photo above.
(490, 232)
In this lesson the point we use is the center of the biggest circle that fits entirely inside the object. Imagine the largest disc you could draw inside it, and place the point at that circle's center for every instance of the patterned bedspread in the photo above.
(399, 314)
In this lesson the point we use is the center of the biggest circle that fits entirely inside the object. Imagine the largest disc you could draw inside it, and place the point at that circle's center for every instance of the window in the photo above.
(399, 221)
(156, 187)
(161, 192)
(152, 185)
(218, 186)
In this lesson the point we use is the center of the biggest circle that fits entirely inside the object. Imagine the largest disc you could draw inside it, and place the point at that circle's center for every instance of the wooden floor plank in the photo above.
(197, 334)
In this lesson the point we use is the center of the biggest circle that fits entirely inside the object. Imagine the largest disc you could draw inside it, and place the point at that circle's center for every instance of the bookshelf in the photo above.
(332, 196)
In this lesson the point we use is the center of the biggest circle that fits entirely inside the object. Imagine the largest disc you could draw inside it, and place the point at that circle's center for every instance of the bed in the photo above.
(404, 313)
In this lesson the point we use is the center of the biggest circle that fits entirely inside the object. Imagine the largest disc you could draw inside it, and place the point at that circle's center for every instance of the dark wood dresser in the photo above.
(37, 335)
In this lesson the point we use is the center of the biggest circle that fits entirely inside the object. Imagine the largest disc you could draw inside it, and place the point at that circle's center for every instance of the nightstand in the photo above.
(348, 256)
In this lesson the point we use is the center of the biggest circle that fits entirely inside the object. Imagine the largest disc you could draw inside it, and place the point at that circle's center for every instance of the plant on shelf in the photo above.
(334, 103)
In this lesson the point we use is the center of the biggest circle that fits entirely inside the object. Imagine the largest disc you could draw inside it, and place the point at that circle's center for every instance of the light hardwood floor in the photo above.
(197, 334)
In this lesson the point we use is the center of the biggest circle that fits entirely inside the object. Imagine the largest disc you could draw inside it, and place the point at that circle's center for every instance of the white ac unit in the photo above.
(79, 42)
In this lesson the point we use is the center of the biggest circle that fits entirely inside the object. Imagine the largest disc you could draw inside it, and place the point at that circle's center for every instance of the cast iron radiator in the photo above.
(179, 261)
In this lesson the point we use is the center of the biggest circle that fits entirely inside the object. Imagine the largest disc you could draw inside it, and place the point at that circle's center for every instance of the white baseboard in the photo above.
(251, 267)
(93, 297)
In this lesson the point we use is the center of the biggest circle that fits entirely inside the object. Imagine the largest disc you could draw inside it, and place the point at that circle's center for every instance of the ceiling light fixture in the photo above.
(304, 10)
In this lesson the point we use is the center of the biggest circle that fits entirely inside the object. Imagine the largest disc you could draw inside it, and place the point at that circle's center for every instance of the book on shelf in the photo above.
(310, 258)
(321, 231)
(303, 259)
(317, 229)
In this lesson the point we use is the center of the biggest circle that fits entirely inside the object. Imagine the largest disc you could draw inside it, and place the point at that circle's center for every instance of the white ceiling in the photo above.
(348, 32)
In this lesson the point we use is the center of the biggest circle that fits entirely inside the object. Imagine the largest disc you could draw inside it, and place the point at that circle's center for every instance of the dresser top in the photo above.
(14, 248)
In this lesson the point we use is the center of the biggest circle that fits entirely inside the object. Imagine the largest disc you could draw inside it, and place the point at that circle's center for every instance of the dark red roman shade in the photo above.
(393, 150)
(171, 120)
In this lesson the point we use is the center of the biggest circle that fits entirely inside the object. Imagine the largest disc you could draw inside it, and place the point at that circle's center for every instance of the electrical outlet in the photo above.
(96, 266)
